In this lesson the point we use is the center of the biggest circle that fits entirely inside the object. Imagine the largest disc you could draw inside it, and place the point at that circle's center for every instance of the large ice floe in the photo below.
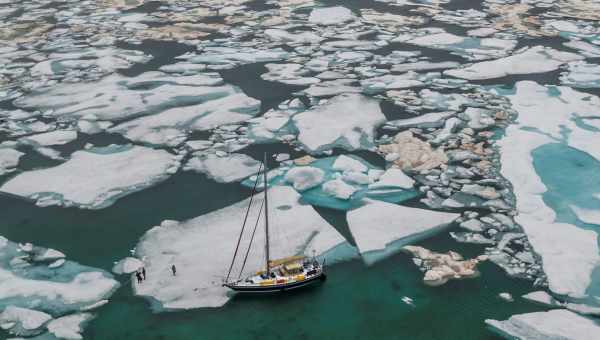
(381, 229)
(346, 121)
(95, 178)
(202, 249)
(553, 324)
(546, 115)
(40, 290)
(537, 59)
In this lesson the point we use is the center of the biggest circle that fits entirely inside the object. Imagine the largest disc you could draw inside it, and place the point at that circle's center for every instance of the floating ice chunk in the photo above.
(506, 297)
(394, 82)
(231, 168)
(26, 283)
(23, 321)
(229, 57)
(439, 268)
(296, 38)
(202, 249)
(541, 297)
(424, 66)
(331, 88)
(478, 118)
(346, 163)
(347, 121)
(69, 327)
(104, 60)
(590, 216)
(584, 48)
(536, 59)
(291, 74)
(127, 265)
(305, 177)
(380, 229)
(183, 68)
(9, 159)
(119, 97)
(339, 189)
(428, 120)
(95, 178)
(393, 178)
(331, 15)
(581, 74)
(468, 47)
(554, 324)
(170, 127)
(58, 137)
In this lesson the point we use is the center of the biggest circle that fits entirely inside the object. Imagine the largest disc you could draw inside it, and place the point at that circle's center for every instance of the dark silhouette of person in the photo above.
(174, 270)
(138, 275)
(144, 273)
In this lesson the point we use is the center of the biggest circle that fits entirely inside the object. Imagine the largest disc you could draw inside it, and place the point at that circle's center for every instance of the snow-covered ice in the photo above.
(331, 15)
(94, 178)
(537, 59)
(581, 74)
(58, 137)
(70, 326)
(35, 296)
(553, 324)
(347, 121)
(380, 229)
(230, 168)
(9, 159)
(202, 249)
(305, 177)
(23, 321)
(569, 253)
(127, 265)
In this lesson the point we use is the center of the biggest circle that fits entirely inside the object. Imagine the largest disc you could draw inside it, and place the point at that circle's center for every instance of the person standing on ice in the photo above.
(144, 273)
(138, 275)
(174, 270)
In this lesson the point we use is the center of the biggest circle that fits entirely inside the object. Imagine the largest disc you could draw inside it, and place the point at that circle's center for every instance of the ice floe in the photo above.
(35, 295)
(351, 120)
(380, 229)
(331, 15)
(229, 168)
(581, 74)
(537, 59)
(439, 268)
(117, 97)
(569, 253)
(58, 137)
(554, 324)
(468, 47)
(94, 178)
(202, 249)
(9, 159)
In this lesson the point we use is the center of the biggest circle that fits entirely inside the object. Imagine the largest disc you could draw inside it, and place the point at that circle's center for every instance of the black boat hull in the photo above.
(278, 288)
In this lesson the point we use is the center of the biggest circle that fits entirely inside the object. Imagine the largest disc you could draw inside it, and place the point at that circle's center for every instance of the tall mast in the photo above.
(266, 188)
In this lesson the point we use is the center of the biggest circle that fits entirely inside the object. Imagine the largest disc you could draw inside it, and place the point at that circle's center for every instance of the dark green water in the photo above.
(356, 302)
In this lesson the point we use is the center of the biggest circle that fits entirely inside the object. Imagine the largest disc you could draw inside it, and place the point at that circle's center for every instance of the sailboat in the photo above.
(278, 274)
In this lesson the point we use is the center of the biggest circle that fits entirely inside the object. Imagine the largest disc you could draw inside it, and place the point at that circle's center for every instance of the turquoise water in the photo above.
(572, 177)
(356, 302)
